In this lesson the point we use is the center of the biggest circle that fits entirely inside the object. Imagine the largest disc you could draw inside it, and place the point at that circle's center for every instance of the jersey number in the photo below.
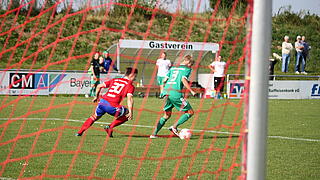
(174, 76)
(115, 88)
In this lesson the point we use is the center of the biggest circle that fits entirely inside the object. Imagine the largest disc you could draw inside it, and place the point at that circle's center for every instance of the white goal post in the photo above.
(258, 90)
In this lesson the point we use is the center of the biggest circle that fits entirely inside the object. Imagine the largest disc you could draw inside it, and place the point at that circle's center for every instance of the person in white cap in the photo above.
(286, 49)
(299, 58)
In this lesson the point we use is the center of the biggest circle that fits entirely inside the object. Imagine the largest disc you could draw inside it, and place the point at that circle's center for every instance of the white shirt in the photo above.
(286, 48)
(163, 67)
(219, 67)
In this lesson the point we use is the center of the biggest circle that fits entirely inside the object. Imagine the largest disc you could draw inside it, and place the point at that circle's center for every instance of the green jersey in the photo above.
(174, 83)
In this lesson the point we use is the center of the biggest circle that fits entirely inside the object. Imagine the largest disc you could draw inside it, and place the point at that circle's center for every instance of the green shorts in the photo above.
(180, 104)
(94, 81)
(160, 80)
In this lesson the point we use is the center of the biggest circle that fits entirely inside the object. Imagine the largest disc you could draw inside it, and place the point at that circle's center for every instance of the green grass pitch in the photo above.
(41, 141)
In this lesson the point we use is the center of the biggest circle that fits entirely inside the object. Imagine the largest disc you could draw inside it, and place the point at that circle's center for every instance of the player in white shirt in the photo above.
(218, 68)
(163, 65)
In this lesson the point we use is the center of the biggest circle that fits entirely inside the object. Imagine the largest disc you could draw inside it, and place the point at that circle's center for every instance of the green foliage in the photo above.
(191, 27)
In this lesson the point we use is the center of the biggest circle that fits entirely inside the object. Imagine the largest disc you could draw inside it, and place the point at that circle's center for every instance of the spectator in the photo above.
(218, 67)
(95, 74)
(108, 62)
(299, 48)
(163, 65)
(286, 48)
(272, 63)
(306, 49)
(101, 63)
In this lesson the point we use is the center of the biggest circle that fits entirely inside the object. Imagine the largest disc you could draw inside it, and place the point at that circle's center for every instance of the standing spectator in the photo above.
(306, 49)
(95, 74)
(299, 48)
(218, 67)
(272, 63)
(163, 65)
(108, 62)
(286, 49)
(101, 64)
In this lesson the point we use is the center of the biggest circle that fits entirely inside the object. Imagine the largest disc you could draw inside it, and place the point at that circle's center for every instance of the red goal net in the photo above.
(46, 50)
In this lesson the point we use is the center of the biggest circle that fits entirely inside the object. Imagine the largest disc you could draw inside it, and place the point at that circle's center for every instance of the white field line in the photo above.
(144, 126)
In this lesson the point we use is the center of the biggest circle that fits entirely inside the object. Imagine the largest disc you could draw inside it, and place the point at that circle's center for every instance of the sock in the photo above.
(160, 124)
(91, 92)
(183, 119)
(118, 122)
(86, 124)
(94, 91)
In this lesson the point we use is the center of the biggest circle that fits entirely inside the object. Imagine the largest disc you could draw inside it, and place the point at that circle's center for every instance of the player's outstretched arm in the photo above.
(186, 84)
(130, 106)
(99, 87)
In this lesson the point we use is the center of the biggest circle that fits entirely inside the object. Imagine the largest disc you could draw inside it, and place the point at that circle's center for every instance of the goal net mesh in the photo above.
(42, 41)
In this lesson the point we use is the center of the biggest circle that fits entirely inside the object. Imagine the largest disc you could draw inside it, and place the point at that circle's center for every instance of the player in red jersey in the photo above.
(118, 89)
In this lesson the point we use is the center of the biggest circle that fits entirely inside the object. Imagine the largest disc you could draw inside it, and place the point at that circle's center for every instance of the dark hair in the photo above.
(129, 71)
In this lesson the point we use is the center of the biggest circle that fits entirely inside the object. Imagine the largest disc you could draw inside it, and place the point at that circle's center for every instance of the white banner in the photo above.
(74, 83)
(294, 90)
(280, 89)
(24, 83)
(169, 45)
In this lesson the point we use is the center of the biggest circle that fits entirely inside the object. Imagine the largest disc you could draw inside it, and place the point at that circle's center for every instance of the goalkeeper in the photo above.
(175, 80)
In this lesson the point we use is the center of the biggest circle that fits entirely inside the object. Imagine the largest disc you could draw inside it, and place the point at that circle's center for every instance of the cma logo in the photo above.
(28, 81)
(315, 91)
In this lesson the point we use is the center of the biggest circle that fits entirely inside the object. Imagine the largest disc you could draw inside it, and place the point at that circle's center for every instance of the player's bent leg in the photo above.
(187, 115)
(88, 123)
(118, 121)
(162, 122)
(115, 123)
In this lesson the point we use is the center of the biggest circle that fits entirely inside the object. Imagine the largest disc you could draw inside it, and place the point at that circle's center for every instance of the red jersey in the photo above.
(118, 89)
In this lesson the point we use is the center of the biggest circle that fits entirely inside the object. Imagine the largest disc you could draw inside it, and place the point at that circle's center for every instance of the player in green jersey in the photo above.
(176, 79)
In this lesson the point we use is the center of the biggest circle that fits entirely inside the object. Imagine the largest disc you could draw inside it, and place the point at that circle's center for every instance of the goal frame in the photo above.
(257, 76)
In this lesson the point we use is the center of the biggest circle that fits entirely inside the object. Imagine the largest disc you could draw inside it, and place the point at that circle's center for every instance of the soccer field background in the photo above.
(41, 130)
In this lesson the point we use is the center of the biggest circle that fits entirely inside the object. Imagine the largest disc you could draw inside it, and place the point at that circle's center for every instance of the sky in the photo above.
(313, 6)
(296, 5)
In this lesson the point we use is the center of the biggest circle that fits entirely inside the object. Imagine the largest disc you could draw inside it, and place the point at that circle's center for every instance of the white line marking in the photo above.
(144, 126)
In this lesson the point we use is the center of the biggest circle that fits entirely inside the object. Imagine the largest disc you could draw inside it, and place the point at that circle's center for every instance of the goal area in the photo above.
(46, 52)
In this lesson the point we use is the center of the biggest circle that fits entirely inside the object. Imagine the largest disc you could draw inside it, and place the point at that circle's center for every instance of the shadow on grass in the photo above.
(172, 136)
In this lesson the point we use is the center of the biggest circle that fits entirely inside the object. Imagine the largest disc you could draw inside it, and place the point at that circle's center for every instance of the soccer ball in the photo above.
(185, 134)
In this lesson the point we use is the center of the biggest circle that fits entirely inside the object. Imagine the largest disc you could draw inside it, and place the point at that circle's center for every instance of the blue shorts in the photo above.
(105, 107)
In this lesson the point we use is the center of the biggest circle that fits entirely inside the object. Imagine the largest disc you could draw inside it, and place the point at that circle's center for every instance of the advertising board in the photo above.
(45, 83)
(280, 89)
